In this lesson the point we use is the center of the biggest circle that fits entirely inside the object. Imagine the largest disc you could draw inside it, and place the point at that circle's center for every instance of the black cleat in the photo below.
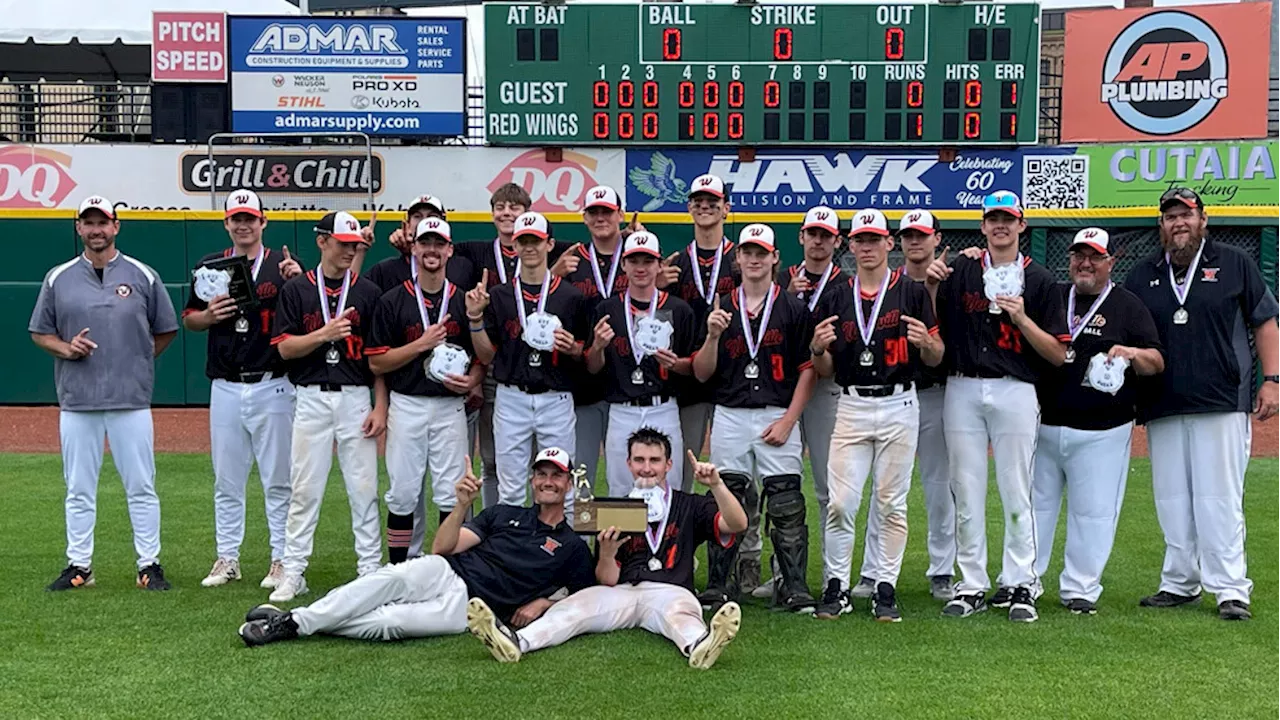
(712, 599)
(965, 605)
(885, 608)
(275, 629)
(940, 587)
(1234, 610)
(1166, 599)
(263, 612)
(835, 602)
(1002, 599)
(72, 578)
(1022, 607)
(151, 577)
(1080, 606)
(798, 602)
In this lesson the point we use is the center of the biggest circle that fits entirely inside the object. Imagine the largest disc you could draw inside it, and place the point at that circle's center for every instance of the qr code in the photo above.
(1055, 182)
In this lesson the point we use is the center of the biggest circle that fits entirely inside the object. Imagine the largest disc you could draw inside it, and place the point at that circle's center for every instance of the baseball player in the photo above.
(250, 398)
(531, 330)
(1085, 429)
(1204, 297)
(513, 558)
(996, 350)
(640, 387)
(393, 272)
(756, 357)
(700, 273)
(105, 317)
(875, 334)
(426, 420)
(919, 233)
(323, 332)
(645, 582)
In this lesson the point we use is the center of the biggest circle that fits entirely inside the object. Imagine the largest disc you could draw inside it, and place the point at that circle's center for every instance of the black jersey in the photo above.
(1065, 400)
(691, 521)
(893, 359)
(553, 370)
(484, 255)
(619, 362)
(836, 280)
(590, 388)
(397, 322)
(983, 344)
(783, 354)
(395, 271)
(230, 351)
(693, 392)
(299, 314)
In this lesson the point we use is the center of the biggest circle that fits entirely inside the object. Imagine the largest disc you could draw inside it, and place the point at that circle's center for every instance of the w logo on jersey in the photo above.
(550, 545)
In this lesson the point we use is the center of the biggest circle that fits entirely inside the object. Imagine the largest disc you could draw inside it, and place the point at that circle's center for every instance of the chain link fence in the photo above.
(1130, 245)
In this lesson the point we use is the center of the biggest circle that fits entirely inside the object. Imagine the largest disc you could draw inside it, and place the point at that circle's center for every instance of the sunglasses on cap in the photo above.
(1180, 194)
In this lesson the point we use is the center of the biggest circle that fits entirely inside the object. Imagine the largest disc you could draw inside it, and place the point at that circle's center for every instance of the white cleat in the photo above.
(224, 571)
(482, 623)
(724, 628)
(274, 576)
(289, 588)
(764, 590)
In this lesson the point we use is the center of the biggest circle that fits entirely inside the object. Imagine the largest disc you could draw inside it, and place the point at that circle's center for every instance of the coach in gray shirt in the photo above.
(104, 317)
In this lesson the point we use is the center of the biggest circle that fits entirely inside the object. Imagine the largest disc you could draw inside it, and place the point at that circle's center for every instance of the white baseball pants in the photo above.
(736, 446)
(877, 437)
(422, 597)
(488, 453)
(132, 439)
(425, 433)
(626, 419)
(524, 425)
(321, 419)
(935, 479)
(1005, 412)
(693, 430)
(248, 422)
(1197, 470)
(590, 430)
(816, 423)
(1092, 466)
(661, 608)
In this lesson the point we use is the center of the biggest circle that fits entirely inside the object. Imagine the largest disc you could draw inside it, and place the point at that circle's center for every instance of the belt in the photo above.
(530, 389)
(648, 401)
(326, 387)
(981, 374)
(876, 391)
(249, 378)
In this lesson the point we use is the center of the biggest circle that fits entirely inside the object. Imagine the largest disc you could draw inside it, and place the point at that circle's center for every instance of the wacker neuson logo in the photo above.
(1165, 73)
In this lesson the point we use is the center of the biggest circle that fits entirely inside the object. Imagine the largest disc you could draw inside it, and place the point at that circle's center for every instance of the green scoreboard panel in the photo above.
(674, 73)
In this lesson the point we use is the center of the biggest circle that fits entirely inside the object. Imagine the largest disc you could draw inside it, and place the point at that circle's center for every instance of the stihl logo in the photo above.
(33, 177)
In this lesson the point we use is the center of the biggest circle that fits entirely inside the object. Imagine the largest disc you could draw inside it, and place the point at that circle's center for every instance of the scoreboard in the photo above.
(745, 74)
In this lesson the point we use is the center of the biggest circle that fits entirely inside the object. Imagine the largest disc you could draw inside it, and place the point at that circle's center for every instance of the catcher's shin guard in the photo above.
(785, 512)
(722, 562)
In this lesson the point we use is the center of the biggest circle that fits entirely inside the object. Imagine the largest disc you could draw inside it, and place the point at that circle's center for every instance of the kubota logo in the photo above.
(32, 177)
(553, 187)
(1165, 73)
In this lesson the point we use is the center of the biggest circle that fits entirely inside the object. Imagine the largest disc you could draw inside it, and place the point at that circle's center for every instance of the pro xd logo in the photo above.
(553, 187)
(32, 177)
(1165, 73)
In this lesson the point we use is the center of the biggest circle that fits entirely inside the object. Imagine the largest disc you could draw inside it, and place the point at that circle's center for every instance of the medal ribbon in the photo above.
(1183, 289)
(753, 343)
(445, 293)
(1077, 327)
(613, 271)
(986, 260)
(710, 291)
(867, 327)
(257, 263)
(654, 539)
(497, 261)
(636, 352)
(324, 300)
(822, 284)
(542, 298)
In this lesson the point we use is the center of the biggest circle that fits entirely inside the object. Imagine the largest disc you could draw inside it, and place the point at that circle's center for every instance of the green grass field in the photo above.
(115, 651)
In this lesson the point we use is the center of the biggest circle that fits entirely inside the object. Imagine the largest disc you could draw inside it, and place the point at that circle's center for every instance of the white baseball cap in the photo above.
(643, 242)
(707, 184)
(341, 225)
(99, 203)
(430, 201)
(434, 226)
(822, 217)
(919, 220)
(1093, 237)
(757, 234)
(532, 223)
(555, 456)
(602, 196)
(244, 201)
(870, 220)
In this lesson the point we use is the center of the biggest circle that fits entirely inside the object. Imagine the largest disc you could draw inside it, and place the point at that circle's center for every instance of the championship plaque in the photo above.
(591, 514)
(238, 278)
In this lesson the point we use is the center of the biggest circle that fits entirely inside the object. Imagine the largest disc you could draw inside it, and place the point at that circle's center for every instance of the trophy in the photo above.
(591, 514)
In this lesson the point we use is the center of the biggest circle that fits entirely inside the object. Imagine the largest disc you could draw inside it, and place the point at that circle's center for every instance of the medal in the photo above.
(242, 324)
(822, 284)
(1106, 374)
(535, 358)
(709, 293)
(1180, 317)
(331, 355)
(1182, 290)
(637, 377)
(541, 339)
(628, 311)
(867, 325)
(1076, 324)
(654, 564)
(753, 341)
(1002, 280)
(501, 264)
(595, 270)
(653, 537)
(1071, 356)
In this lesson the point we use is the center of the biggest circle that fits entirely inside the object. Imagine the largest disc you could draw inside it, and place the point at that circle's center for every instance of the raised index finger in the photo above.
(693, 459)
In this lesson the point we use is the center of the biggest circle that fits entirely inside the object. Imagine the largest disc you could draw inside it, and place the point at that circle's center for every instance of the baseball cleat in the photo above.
(1022, 607)
(502, 642)
(224, 570)
(1002, 598)
(151, 577)
(1080, 606)
(764, 590)
(940, 587)
(274, 576)
(1166, 599)
(965, 605)
(289, 588)
(723, 629)
(865, 588)
(72, 578)
(835, 602)
(274, 629)
(712, 599)
(1234, 610)
(885, 608)
(748, 575)
(262, 612)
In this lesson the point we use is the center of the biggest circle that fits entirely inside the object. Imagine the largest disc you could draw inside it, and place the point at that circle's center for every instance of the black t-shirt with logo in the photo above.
(231, 353)
(691, 521)
(893, 358)
(395, 271)
(299, 313)
(397, 322)
(619, 362)
(783, 354)
(511, 360)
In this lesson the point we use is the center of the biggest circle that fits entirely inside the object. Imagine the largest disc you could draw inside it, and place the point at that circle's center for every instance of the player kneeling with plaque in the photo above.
(646, 580)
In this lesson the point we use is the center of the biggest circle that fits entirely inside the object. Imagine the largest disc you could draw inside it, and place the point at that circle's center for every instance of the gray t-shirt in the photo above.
(123, 311)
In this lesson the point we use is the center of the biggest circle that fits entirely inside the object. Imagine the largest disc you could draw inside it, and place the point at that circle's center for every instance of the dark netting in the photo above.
(1129, 245)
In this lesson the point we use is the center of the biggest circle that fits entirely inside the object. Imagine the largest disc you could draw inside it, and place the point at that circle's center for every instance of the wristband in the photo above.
(1271, 378)
(818, 353)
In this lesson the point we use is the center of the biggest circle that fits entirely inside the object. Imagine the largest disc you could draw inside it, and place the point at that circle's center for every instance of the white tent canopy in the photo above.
(50, 22)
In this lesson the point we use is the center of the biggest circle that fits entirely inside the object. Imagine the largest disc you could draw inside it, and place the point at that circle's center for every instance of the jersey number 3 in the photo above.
(1010, 338)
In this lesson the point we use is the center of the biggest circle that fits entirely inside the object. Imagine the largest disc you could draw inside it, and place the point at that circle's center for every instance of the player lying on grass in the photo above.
(515, 558)
(645, 582)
